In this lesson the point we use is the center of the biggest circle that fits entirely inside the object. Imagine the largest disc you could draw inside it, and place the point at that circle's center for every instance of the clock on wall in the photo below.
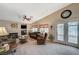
(66, 14)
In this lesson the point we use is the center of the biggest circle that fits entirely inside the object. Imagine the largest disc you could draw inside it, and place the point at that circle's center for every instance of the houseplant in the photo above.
(51, 37)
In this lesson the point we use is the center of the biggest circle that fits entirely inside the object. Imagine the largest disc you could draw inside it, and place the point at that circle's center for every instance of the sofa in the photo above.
(34, 35)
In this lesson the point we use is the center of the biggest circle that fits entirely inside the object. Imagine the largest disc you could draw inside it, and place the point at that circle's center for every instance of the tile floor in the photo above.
(31, 48)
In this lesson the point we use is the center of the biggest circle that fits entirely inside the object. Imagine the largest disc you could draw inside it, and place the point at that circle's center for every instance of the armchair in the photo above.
(41, 40)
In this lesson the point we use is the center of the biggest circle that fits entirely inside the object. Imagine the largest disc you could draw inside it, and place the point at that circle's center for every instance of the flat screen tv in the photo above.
(23, 26)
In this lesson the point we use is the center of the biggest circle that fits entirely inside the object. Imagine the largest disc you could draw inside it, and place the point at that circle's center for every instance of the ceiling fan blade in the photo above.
(24, 17)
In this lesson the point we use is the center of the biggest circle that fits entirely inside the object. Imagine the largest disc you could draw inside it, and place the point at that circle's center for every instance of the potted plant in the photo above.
(51, 37)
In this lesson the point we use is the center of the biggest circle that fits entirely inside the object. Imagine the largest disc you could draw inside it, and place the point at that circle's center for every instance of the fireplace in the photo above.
(23, 32)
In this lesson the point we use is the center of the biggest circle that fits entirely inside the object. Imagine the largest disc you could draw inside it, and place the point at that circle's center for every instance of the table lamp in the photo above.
(3, 31)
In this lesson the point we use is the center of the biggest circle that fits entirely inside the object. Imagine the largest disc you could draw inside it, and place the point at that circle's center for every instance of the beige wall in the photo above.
(52, 18)
(55, 18)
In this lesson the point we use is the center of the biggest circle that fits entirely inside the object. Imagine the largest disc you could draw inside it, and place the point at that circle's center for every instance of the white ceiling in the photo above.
(14, 11)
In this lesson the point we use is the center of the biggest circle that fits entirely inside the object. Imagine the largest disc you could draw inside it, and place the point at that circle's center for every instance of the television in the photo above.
(23, 26)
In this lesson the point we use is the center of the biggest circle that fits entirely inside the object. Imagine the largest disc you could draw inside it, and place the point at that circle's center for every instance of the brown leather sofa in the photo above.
(34, 35)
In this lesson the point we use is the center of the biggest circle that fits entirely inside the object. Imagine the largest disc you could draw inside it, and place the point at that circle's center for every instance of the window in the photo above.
(41, 30)
(60, 32)
(34, 29)
(44, 30)
(72, 32)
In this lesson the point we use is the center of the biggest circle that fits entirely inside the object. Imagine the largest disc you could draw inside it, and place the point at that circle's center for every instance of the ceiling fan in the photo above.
(27, 18)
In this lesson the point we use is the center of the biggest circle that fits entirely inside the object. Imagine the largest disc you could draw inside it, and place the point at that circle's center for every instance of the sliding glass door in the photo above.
(60, 32)
(73, 32)
(68, 32)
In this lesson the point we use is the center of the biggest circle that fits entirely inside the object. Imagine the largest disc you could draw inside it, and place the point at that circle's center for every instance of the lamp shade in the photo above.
(3, 31)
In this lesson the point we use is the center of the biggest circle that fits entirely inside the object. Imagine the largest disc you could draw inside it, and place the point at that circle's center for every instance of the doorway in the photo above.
(67, 33)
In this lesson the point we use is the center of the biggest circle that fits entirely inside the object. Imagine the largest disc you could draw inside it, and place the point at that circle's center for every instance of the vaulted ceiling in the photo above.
(14, 11)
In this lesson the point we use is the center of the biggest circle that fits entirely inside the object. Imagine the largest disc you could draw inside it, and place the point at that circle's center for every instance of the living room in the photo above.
(27, 30)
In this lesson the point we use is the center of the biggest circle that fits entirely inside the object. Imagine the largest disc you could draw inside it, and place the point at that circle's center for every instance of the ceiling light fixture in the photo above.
(27, 18)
